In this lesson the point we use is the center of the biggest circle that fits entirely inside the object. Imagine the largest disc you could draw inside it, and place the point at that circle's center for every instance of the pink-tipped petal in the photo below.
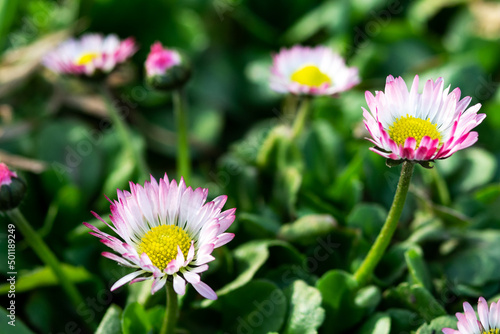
(204, 290)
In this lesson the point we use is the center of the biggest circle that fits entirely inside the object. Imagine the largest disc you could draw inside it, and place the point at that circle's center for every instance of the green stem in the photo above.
(290, 108)
(301, 117)
(46, 255)
(365, 271)
(170, 319)
(442, 189)
(124, 133)
(180, 112)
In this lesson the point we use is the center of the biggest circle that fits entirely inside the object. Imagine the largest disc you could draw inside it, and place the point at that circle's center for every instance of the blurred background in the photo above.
(53, 131)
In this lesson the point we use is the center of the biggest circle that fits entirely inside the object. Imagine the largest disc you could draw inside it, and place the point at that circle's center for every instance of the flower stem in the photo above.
(46, 255)
(180, 112)
(365, 271)
(124, 133)
(170, 319)
(301, 117)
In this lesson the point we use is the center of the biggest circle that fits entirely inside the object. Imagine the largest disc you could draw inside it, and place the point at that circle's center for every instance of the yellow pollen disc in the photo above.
(409, 126)
(160, 244)
(310, 76)
(86, 58)
(492, 331)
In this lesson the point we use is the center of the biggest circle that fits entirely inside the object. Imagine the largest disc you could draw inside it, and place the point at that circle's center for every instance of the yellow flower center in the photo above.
(86, 58)
(160, 244)
(311, 76)
(409, 126)
(492, 331)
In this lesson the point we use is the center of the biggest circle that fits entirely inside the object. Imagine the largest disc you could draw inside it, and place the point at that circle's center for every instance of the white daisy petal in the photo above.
(126, 279)
(179, 285)
(204, 290)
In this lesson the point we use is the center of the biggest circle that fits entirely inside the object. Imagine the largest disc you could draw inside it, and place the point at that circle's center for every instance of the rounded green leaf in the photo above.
(111, 322)
(305, 313)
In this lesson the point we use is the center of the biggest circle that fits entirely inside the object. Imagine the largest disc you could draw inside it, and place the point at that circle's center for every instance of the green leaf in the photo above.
(403, 320)
(120, 173)
(268, 152)
(417, 267)
(73, 154)
(249, 258)
(286, 188)
(347, 187)
(322, 150)
(18, 326)
(379, 323)
(305, 313)
(477, 259)
(418, 299)
(330, 15)
(258, 307)
(44, 276)
(8, 10)
(307, 229)
(111, 322)
(259, 226)
(478, 169)
(368, 297)
(135, 319)
(422, 11)
(369, 218)
(337, 290)
(437, 325)
(156, 315)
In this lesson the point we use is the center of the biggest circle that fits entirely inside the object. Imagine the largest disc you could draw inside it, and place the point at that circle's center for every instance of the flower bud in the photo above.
(166, 69)
(12, 188)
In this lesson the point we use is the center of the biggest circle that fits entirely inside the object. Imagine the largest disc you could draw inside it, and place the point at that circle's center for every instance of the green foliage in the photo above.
(308, 208)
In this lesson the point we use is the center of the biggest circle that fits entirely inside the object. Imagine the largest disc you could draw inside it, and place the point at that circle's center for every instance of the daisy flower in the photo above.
(90, 54)
(489, 319)
(160, 59)
(166, 231)
(311, 71)
(408, 125)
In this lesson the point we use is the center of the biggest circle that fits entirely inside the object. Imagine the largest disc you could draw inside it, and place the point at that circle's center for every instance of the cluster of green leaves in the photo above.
(308, 210)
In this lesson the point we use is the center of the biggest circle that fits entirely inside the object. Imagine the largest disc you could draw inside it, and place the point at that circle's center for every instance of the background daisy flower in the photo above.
(91, 53)
(420, 126)
(166, 230)
(489, 319)
(311, 71)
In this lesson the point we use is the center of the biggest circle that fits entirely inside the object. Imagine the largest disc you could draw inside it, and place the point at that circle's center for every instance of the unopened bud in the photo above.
(12, 188)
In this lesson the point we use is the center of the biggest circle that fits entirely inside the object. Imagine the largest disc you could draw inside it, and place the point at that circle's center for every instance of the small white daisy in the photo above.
(166, 230)
(489, 320)
(311, 71)
(408, 125)
(90, 54)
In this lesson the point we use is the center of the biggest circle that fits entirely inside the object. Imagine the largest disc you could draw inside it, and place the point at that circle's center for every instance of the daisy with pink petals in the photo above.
(311, 71)
(408, 125)
(90, 54)
(488, 323)
(167, 232)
